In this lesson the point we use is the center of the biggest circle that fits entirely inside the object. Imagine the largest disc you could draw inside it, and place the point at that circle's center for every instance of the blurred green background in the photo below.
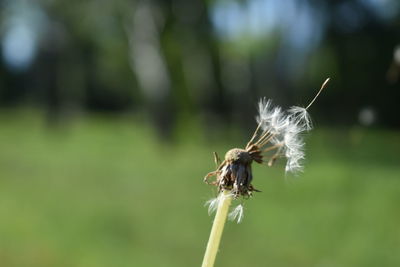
(110, 112)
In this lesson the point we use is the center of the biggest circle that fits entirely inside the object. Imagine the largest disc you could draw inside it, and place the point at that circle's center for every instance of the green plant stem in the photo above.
(217, 229)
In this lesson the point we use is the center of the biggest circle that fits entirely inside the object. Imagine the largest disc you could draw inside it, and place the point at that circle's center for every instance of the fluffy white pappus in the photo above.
(212, 204)
(292, 140)
(294, 149)
(301, 117)
(286, 128)
(264, 108)
(272, 119)
(237, 214)
(293, 163)
(278, 121)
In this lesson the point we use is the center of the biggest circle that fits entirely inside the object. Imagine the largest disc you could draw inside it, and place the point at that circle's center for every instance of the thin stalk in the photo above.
(254, 135)
(217, 229)
(320, 90)
(271, 147)
(265, 141)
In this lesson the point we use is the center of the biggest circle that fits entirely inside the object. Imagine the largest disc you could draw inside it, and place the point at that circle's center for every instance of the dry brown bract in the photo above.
(234, 173)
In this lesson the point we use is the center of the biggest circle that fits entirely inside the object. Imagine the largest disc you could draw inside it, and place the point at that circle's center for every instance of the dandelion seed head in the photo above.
(237, 214)
(278, 135)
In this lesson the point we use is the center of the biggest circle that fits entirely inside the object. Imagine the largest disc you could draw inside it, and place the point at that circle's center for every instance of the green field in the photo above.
(102, 191)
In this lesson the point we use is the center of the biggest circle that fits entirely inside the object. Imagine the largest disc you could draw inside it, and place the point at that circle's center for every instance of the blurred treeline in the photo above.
(209, 60)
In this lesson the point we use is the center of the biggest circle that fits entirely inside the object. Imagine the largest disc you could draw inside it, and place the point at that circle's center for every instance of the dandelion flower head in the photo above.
(279, 134)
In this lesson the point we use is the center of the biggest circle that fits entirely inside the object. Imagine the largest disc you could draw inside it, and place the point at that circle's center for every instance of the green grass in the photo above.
(103, 192)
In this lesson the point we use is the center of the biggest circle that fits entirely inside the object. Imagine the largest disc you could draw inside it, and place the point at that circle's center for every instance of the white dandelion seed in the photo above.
(237, 214)
(293, 145)
(301, 117)
(212, 204)
(282, 130)
(264, 109)
(278, 121)
(270, 118)
(293, 163)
